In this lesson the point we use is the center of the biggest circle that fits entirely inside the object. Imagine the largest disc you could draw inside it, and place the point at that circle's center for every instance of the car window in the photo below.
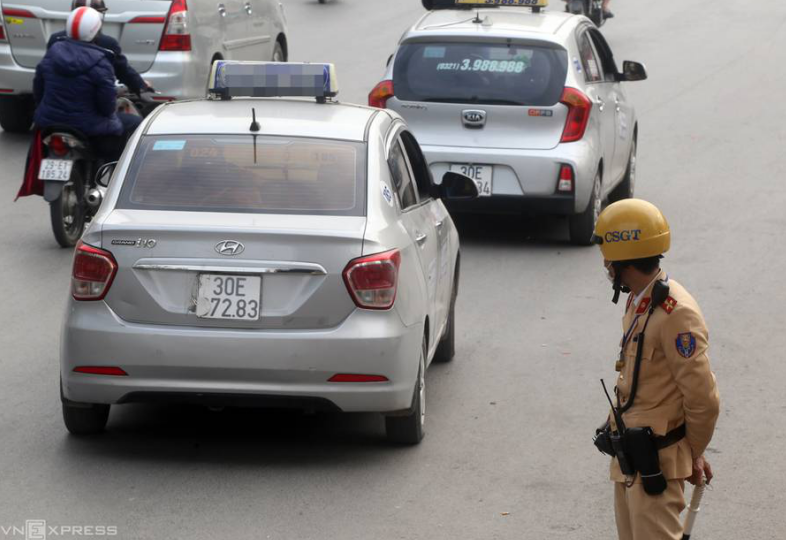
(604, 55)
(419, 165)
(245, 174)
(480, 73)
(589, 62)
(402, 179)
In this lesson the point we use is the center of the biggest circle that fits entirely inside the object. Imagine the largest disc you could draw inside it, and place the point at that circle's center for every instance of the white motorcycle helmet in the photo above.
(83, 24)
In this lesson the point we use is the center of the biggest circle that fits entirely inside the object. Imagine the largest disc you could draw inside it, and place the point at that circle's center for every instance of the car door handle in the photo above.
(222, 10)
(421, 238)
(248, 8)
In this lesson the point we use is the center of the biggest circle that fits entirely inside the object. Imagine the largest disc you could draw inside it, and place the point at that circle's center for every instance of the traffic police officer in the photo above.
(672, 392)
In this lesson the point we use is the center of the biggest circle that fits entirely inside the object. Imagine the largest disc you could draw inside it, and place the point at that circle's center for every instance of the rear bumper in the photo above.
(525, 181)
(230, 367)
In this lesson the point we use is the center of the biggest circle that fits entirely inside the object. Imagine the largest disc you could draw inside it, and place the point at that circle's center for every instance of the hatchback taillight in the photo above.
(372, 281)
(380, 95)
(93, 272)
(579, 108)
(176, 36)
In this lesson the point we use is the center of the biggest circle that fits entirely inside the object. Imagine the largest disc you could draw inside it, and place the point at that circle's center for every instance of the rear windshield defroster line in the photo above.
(247, 174)
(480, 73)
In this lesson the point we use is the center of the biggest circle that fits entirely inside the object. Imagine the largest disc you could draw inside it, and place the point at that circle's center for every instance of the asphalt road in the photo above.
(508, 452)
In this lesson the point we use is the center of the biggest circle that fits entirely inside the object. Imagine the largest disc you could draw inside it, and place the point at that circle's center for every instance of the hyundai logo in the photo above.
(229, 248)
(474, 118)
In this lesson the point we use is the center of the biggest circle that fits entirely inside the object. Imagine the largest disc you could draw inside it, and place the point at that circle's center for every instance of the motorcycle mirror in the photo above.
(105, 172)
(633, 71)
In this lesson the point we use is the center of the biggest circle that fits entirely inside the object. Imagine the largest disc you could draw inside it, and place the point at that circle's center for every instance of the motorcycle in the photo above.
(593, 9)
(68, 171)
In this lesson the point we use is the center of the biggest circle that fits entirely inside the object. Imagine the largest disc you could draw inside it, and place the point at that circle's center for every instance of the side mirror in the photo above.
(457, 186)
(104, 173)
(633, 71)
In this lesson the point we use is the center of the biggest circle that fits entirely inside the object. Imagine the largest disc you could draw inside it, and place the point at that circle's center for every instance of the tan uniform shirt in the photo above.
(676, 385)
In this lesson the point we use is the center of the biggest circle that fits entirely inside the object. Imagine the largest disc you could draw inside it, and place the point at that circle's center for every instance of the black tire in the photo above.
(582, 225)
(446, 349)
(85, 420)
(16, 114)
(278, 51)
(626, 188)
(67, 212)
(408, 429)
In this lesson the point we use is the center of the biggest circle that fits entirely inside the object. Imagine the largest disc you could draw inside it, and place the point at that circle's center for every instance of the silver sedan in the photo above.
(306, 261)
(528, 104)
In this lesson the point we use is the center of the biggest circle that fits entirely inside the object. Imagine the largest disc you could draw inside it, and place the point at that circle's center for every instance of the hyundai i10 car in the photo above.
(265, 252)
(528, 102)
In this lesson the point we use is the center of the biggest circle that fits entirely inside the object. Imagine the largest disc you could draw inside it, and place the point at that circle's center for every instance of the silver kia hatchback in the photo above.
(265, 252)
(530, 104)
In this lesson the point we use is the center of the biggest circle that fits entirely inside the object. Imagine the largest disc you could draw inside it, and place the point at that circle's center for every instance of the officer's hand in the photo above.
(701, 467)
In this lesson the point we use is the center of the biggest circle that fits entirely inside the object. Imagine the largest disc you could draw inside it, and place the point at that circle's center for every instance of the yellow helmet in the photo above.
(632, 229)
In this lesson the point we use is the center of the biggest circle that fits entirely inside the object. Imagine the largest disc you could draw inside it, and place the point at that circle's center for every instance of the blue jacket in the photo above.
(75, 85)
(123, 71)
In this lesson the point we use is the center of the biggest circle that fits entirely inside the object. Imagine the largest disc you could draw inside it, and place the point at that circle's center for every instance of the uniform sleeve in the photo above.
(123, 70)
(684, 340)
(106, 93)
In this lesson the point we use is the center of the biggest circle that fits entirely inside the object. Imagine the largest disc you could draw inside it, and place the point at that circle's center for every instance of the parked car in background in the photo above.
(171, 43)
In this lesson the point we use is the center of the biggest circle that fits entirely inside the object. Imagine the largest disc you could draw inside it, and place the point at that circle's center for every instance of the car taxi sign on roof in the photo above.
(230, 79)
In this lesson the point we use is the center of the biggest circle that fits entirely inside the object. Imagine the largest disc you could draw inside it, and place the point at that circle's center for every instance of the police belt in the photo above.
(672, 437)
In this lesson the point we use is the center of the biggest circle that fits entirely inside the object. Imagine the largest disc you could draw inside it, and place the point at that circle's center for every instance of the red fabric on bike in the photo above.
(31, 185)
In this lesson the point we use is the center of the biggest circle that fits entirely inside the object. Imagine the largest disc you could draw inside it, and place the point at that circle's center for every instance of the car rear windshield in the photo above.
(483, 73)
(247, 174)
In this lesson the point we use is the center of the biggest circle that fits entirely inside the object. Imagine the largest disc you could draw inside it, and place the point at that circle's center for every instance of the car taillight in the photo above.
(565, 183)
(93, 272)
(380, 95)
(579, 108)
(21, 13)
(176, 36)
(2, 33)
(57, 146)
(101, 370)
(372, 281)
(356, 377)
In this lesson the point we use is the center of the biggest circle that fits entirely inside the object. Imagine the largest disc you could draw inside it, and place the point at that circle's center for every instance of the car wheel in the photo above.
(582, 225)
(446, 349)
(408, 429)
(278, 51)
(626, 188)
(16, 114)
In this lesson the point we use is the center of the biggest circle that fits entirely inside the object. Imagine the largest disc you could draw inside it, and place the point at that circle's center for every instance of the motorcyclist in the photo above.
(126, 74)
(74, 85)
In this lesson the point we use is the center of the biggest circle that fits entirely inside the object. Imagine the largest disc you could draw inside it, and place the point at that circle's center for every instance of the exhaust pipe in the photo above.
(94, 198)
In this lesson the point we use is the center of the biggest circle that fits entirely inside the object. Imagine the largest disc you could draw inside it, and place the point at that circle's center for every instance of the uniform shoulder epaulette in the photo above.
(669, 304)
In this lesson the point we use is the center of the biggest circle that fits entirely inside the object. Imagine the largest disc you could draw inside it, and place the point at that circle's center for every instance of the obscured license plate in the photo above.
(482, 175)
(229, 297)
(55, 169)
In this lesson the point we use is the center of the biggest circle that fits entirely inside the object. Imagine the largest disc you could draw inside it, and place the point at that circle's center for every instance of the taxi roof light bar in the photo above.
(229, 79)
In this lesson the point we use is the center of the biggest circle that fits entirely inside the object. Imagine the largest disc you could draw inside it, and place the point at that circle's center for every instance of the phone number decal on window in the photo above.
(494, 66)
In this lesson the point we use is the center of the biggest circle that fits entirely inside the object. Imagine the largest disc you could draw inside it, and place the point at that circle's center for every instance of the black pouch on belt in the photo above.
(642, 450)
(602, 439)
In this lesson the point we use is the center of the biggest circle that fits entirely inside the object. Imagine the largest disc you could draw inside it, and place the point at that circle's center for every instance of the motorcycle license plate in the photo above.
(229, 297)
(58, 170)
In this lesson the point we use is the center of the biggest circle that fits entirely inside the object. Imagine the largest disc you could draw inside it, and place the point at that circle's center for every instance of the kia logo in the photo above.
(474, 118)
(229, 248)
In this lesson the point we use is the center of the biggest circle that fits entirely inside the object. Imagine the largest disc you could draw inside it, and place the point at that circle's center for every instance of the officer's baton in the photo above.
(693, 509)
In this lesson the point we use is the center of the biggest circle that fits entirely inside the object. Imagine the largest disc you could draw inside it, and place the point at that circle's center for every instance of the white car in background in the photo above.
(171, 43)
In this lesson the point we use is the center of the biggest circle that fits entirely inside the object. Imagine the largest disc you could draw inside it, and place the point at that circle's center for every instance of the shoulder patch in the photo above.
(686, 344)
(669, 305)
